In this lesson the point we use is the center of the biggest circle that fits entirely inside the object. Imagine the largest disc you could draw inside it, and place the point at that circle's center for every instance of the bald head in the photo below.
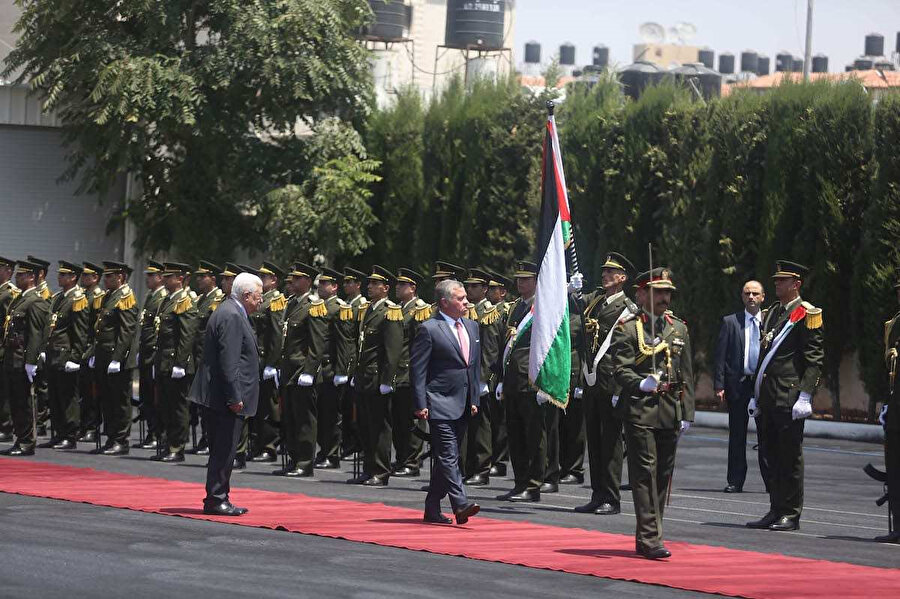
(753, 295)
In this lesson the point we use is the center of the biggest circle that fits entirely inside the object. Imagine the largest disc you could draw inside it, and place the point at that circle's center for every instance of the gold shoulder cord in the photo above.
(647, 351)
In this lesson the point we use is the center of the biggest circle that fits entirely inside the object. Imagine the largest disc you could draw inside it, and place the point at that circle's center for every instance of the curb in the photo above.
(823, 429)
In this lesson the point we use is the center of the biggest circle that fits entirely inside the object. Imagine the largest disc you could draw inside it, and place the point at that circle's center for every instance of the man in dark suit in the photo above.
(445, 371)
(737, 355)
(227, 385)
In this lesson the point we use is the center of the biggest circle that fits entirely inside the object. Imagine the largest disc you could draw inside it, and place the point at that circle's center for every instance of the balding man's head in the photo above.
(753, 295)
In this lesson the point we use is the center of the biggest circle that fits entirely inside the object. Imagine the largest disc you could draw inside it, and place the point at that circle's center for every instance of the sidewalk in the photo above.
(825, 429)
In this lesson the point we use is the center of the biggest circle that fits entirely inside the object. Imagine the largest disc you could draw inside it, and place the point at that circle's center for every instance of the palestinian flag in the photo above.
(550, 360)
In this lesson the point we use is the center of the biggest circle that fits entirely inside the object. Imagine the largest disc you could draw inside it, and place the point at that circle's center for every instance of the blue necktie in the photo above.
(753, 353)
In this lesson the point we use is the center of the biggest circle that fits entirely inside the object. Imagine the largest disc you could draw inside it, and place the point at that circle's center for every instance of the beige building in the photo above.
(665, 55)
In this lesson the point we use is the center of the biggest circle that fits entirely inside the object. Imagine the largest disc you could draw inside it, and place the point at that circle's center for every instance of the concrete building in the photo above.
(665, 55)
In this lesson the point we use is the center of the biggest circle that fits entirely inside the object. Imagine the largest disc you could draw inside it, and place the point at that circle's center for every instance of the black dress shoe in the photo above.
(4, 437)
(17, 450)
(653, 552)
(299, 473)
(101, 449)
(526, 496)
(265, 456)
(202, 451)
(375, 481)
(549, 487)
(893, 537)
(172, 457)
(588, 508)
(88, 437)
(439, 519)
(223, 509)
(607, 509)
(498, 469)
(406, 472)
(116, 449)
(571, 479)
(508, 494)
(784, 524)
(478, 480)
(66, 444)
(48, 444)
(150, 443)
(764, 522)
(358, 480)
(326, 465)
(240, 462)
(465, 512)
(732, 489)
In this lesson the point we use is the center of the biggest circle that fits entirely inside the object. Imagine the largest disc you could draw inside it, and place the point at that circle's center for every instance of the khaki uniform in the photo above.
(66, 334)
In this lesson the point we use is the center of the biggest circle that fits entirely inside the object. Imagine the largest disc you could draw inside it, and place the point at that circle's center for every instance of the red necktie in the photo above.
(463, 340)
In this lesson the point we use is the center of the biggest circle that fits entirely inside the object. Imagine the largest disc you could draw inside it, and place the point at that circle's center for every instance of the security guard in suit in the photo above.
(603, 412)
(375, 379)
(890, 419)
(173, 361)
(66, 339)
(8, 292)
(497, 294)
(787, 376)
(352, 432)
(209, 296)
(87, 381)
(657, 385)
(23, 331)
(147, 336)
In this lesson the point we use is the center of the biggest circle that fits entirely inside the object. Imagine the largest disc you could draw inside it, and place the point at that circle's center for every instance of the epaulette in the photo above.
(671, 316)
(184, 304)
(192, 295)
(490, 316)
(813, 317)
(98, 300)
(278, 303)
(363, 308)
(79, 301)
(346, 311)
(317, 308)
(628, 317)
(127, 301)
(14, 291)
(394, 312)
(423, 312)
(45, 293)
(55, 294)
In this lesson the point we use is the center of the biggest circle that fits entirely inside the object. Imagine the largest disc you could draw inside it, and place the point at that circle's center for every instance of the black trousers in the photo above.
(892, 466)
(446, 477)
(224, 434)
(6, 422)
(90, 399)
(376, 409)
(351, 435)
(301, 418)
(408, 448)
(571, 438)
(738, 399)
(147, 393)
(551, 417)
(174, 411)
(651, 461)
(527, 439)
(266, 425)
(499, 430)
(115, 402)
(781, 438)
(62, 395)
(606, 451)
(21, 403)
(330, 420)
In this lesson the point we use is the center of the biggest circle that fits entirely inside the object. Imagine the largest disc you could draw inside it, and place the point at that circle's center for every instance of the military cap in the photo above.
(446, 270)
(231, 270)
(408, 275)
(154, 268)
(525, 269)
(498, 280)
(619, 262)
(271, 269)
(111, 267)
(175, 268)
(658, 278)
(351, 274)
(477, 276)
(7, 262)
(89, 268)
(788, 269)
(380, 273)
(39, 263)
(330, 274)
(25, 266)
(68, 268)
(299, 269)
(249, 269)
(206, 268)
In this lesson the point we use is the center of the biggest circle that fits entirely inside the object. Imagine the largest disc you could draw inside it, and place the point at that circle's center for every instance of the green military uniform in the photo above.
(891, 421)
(380, 348)
(653, 420)
(351, 416)
(206, 305)
(147, 337)
(113, 360)
(66, 334)
(40, 380)
(339, 350)
(569, 468)
(790, 366)
(173, 363)
(23, 331)
(499, 435)
(8, 292)
(87, 380)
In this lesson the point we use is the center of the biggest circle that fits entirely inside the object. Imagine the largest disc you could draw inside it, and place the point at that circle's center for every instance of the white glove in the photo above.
(615, 400)
(385, 389)
(114, 367)
(137, 357)
(91, 362)
(340, 379)
(177, 373)
(685, 426)
(578, 393)
(153, 372)
(802, 408)
(649, 384)
(42, 357)
(72, 367)
(305, 380)
(576, 282)
(353, 382)
(752, 410)
(30, 372)
(499, 391)
(484, 390)
(269, 372)
(882, 417)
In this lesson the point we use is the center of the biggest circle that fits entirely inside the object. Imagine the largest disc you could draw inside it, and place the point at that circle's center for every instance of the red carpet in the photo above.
(693, 567)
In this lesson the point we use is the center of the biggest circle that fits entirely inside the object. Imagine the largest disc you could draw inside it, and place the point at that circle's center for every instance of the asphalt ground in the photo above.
(60, 549)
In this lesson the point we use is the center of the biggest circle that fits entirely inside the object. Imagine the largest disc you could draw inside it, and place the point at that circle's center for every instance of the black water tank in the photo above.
(874, 44)
(567, 54)
(726, 63)
(391, 20)
(819, 63)
(707, 57)
(898, 42)
(708, 82)
(797, 65)
(749, 61)
(864, 63)
(478, 24)
(533, 53)
(764, 65)
(636, 77)
(601, 56)
(784, 62)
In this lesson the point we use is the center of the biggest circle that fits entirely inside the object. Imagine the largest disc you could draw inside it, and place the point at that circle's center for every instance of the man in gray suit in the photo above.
(445, 371)
(227, 385)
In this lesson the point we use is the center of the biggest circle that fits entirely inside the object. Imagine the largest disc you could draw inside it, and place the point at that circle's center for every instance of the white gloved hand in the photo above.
(752, 410)
(114, 367)
(576, 282)
(42, 357)
(484, 390)
(385, 389)
(153, 372)
(615, 400)
(353, 382)
(578, 393)
(269, 372)
(499, 391)
(340, 379)
(305, 380)
(177, 372)
(137, 357)
(882, 417)
(91, 362)
(72, 367)
(685, 426)
(649, 384)
(30, 372)
(802, 408)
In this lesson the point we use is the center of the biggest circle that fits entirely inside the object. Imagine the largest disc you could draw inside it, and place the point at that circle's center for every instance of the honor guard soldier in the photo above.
(40, 380)
(351, 414)
(788, 373)
(87, 381)
(173, 362)
(66, 338)
(8, 292)
(304, 331)
(23, 332)
(380, 347)
(226, 277)
(409, 448)
(339, 349)
(112, 359)
(524, 416)
(476, 451)
(603, 412)
(268, 322)
(147, 335)
(498, 287)
(653, 367)
(209, 296)
(890, 420)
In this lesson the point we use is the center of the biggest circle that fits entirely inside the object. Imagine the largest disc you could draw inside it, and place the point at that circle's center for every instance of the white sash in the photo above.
(590, 375)
(765, 363)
